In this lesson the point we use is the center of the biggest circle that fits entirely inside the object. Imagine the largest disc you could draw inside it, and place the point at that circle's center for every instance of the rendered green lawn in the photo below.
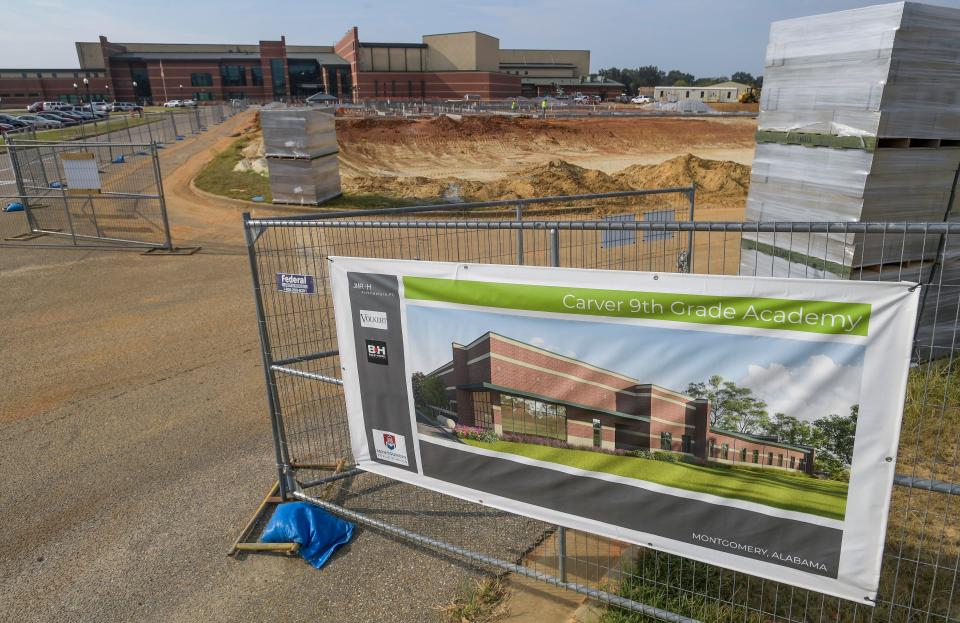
(827, 498)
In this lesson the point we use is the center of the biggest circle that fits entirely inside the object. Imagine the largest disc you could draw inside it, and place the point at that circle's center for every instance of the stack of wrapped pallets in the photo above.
(300, 146)
(860, 121)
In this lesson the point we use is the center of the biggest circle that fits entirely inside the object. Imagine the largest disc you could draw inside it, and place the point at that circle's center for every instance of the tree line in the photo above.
(653, 76)
(735, 408)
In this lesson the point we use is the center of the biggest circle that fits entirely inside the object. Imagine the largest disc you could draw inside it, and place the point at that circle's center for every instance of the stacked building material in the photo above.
(859, 121)
(300, 145)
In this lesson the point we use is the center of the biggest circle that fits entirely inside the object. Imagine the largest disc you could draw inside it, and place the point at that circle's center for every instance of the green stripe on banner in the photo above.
(830, 317)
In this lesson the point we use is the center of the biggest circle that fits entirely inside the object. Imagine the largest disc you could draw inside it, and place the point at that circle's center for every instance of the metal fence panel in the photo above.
(922, 554)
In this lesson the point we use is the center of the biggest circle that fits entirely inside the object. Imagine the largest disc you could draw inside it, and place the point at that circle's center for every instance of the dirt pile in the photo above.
(713, 177)
(718, 182)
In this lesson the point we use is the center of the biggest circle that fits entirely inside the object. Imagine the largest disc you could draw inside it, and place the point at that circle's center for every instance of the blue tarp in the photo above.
(317, 531)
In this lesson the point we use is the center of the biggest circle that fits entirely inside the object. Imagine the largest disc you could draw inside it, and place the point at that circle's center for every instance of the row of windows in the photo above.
(201, 80)
(231, 76)
(533, 417)
(393, 89)
(24, 75)
(724, 453)
(19, 95)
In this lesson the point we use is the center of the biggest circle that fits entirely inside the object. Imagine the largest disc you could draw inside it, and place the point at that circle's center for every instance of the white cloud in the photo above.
(813, 390)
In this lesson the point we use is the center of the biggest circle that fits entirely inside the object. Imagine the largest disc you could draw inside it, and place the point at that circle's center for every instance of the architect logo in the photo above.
(390, 447)
(373, 319)
(377, 352)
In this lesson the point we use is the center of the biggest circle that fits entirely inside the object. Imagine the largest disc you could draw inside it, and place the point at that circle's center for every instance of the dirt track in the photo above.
(136, 442)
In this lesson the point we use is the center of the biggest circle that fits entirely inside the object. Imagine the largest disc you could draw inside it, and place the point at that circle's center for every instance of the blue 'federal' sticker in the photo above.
(297, 284)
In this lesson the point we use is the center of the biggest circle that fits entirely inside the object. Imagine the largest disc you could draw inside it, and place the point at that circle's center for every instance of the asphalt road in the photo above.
(136, 444)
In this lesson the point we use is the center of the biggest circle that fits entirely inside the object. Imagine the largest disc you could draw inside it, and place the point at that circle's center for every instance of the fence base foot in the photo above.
(27, 236)
(247, 540)
(173, 251)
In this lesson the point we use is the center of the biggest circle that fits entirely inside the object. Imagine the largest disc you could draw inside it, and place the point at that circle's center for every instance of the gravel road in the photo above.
(136, 443)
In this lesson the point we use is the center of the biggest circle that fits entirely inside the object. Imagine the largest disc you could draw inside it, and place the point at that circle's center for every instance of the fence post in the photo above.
(21, 189)
(520, 234)
(168, 243)
(562, 553)
(126, 120)
(196, 114)
(555, 247)
(173, 124)
(148, 123)
(693, 194)
(275, 424)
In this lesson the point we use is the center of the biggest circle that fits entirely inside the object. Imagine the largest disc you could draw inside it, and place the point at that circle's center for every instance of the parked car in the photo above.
(124, 107)
(40, 122)
(16, 123)
(188, 103)
(5, 127)
(641, 99)
(172, 104)
(52, 116)
(72, 116)
(45, 106)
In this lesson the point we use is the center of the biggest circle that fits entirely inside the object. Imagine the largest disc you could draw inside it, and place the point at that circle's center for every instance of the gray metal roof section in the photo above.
(370, 44)
(184, 56)
(564, 82)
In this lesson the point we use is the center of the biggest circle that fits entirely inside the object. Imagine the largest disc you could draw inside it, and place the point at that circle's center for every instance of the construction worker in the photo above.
(543, 108)
(513, 106)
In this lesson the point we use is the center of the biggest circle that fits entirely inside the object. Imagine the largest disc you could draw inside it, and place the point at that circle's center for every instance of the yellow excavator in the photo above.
(751, 96)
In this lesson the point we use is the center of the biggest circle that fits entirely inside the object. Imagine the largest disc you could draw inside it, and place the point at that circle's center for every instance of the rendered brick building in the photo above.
(513, 387)
(448, 65)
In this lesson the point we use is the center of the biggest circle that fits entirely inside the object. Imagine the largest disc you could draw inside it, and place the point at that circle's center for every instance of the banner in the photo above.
(750, 423)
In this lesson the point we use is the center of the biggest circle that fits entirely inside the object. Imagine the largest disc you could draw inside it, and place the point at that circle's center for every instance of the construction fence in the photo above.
(126, 208)
(644, 231)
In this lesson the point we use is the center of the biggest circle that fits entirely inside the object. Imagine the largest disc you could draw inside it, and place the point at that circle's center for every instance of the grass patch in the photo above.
(482, 603)
(804, 494)
(219, 178)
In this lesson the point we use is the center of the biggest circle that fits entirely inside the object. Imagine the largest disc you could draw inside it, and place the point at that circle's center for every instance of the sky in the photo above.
(703, 37)
(802, 378)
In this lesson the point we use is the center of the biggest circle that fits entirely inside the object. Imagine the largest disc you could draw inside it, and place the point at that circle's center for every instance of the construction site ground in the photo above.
(134, 421)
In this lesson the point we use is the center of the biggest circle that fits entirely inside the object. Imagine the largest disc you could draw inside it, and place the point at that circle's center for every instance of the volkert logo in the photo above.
(373, 319)
(377, 352)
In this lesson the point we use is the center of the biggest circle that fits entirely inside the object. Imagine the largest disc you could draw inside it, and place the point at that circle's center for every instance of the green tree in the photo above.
(743, 77)
(790, 429)
(731, 407)
(676, 77)
(428, 390)
(833, 436)
(704, 82)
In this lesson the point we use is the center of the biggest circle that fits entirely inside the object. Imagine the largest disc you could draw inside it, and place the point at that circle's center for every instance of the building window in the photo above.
(23, 75)
(526, 416)
(666, 441)
(728, 94)
(726, 452)
(53, 75)
(792, 462)
(256, 76)
(597, 433)
(756, 456)
(203, 96)
(743, 455)
(712, 451)
(233, 76)
(279, 77)
(201, 80)
(482, 413)
(779, 460)
(803, 464)
(769, 458)
(686, 442)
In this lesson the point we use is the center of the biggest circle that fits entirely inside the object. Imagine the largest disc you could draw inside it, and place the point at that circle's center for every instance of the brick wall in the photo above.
(436, 85)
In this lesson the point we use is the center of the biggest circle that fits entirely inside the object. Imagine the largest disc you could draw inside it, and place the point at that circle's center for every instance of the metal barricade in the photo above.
(624, 231)
(126, 209)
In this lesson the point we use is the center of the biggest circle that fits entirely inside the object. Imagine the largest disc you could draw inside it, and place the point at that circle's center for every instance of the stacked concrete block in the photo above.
(301, 150)
(859, 122)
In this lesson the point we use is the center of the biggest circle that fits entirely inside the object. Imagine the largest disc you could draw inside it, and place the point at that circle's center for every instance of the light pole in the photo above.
(181, 94)
(75, 96)
(136, 100)
(86, 85)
